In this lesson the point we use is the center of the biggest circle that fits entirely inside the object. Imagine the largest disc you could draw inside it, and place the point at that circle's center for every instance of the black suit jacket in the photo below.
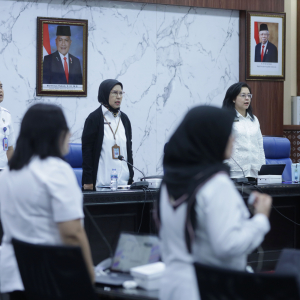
(92, 139)
(54, 73)
(270, 53)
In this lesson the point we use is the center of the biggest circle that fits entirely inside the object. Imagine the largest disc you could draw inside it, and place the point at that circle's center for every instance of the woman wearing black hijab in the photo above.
(200, 214)
(107, 134)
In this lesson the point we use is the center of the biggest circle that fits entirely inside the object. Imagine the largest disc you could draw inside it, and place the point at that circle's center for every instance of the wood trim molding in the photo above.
(258, 5)
(291, 127)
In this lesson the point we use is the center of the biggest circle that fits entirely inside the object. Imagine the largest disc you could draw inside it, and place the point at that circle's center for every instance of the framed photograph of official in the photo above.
(61, 57)
(265, 49)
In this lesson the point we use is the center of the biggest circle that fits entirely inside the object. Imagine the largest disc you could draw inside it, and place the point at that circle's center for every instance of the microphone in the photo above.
(120, 157)
(136, 185)
(240, 180)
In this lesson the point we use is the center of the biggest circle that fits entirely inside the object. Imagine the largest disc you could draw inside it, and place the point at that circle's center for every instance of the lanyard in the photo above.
(5, 139)
(2, 121)
(114, 133)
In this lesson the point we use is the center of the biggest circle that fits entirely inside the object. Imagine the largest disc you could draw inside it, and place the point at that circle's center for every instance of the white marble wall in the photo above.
(169, 59)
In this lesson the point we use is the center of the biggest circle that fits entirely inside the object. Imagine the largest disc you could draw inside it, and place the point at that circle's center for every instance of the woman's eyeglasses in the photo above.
(246, 96)
(116, 93)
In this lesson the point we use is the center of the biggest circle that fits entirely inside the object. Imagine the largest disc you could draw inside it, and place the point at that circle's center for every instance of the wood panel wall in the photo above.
(259, 5)
(267, 95)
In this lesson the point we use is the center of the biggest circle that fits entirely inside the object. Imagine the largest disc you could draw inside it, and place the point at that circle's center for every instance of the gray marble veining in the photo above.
(169, 59)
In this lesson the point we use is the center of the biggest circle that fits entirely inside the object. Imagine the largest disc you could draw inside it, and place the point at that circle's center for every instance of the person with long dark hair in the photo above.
(106, 135)
(248, 153)
(41, 202)
(200, 214)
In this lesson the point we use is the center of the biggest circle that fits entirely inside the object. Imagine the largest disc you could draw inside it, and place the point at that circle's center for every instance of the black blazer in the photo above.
(54, 73)
(92, 139)
(270, 53)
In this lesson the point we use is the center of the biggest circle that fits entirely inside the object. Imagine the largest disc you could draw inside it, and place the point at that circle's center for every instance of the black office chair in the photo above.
(216, 283)
(53, 272)
(289, 263)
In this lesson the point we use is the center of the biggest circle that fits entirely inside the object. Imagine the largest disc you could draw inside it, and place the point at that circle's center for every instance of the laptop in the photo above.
(132, 250)
(272, 169)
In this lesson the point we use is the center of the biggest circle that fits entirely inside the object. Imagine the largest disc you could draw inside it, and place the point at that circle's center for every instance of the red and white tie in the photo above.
(262, 53)
(66, 69)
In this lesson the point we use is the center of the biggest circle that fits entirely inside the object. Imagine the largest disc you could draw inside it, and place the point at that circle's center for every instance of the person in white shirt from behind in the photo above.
(248, 153)
(40, 201)
(6, 131)
(200, 214)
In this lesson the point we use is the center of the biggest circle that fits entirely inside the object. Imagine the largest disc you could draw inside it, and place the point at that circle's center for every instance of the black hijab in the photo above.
(103, 94)
(194, 154)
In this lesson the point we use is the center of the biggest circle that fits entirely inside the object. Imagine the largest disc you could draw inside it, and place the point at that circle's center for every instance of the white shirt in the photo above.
(179, 279)
(224, 236)
(63, 61)
(261, 48)
(248, 150)
(106, 162)
(33, 200)
(5, 121)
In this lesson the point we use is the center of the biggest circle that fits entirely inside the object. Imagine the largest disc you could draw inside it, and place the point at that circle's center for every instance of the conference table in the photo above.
(284, 219)
(105, 292)
(132, 211)
(113, 212)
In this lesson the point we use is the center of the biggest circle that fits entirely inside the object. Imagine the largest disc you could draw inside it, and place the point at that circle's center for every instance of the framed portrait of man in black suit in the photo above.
(61, 57)
(265, 57)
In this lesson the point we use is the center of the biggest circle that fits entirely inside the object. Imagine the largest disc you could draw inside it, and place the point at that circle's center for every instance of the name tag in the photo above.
(115, 151)
(107, 123)
(5, 144)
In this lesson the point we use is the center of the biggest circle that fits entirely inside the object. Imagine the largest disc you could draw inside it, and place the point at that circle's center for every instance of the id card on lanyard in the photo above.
(5, 140)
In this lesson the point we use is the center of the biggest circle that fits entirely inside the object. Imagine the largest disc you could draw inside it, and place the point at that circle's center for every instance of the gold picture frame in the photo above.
(265, 49)
(61, 57)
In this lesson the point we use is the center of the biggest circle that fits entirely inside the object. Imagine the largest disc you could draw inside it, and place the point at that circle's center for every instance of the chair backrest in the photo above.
(289, 263)
(53, 272)
(277, 151)
(74, 158)
(217, 283)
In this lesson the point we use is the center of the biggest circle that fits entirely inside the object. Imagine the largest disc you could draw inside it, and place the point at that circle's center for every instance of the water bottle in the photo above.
(114, 180)
(296, 174)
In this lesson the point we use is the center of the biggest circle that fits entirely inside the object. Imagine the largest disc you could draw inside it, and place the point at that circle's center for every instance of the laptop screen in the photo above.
(135, 250)
(272, 169)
